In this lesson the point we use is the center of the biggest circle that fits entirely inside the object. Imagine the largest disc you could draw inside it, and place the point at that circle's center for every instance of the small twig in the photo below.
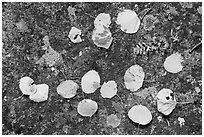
(90, 15)
(63, 74)
(116, 31)
(195, 47)
(90, 119)
(168, 123)
(18, 98)
(146, 12)
(119, 98)
(75, 77)
(83, 95)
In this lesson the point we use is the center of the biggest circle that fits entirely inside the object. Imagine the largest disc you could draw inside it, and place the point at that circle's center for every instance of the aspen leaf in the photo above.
(140, 114)
(109, 89)
(166, 102)
(87, 107)
(173, 63)
(102, 37)
(134, 77)
(102, 19)
(67, 89)
(90, 82)
(41, 93)
(129, 21)
(26, 86)
(113, 120)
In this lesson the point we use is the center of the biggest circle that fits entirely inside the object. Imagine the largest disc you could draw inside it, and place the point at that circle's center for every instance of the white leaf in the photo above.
(41, 93)
(74, 35)
(173, 63)
(140, 114)
(128, 21)
(134, 77)
(90, 82)
(166, 103)
(67, 89)
(87, 107)
(181, 121)
(26, 87)
(102, 19)
(102, 37)
(109, 89)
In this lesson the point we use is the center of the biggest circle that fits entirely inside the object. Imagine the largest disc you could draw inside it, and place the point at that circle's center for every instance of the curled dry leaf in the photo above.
(41, 93)
(74, 35)
(109, 89)
(140, 114)
(129, 21)
(181, 121)
(113, 120)
(87, 107)
(67, 89)
(134, 77)
(166, 102)
(102, 37)
(90, 82)
(173, 63)
(26, 86)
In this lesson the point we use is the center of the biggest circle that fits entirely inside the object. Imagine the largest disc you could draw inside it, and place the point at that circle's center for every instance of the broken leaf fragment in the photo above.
(109, 89)
(51, 57)
(113, 120)
(181, 121)
(67, 89)
(87, 107)
(74, 35)
(134, 77)
(149, 21)
(102, 37)
(140, 114)
(90, 82)
(41, 93)
(26, 86)
(166, 102)
(102, 19)
(129, 21)
(22, 26)
(173, 63)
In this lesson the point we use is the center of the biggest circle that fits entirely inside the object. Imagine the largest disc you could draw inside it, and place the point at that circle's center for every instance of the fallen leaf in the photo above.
(129, 21)
(109, 89)
(26, 86)
(166, 102)
(134, 77)
(113, 120)
(90, 82)
(41, 93)
(87, 107)
(173, 63)
(140, 114)
(67, 89)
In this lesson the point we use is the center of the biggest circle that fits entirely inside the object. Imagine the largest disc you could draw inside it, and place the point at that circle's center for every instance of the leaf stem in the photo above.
(18, 97)
(138, 129)
(195, 47)
(63, 75)
(119, 98)
(184, 102)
